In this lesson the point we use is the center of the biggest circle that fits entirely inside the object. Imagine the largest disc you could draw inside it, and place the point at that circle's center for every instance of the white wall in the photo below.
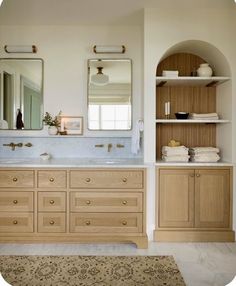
(65, 51)
(164, 28)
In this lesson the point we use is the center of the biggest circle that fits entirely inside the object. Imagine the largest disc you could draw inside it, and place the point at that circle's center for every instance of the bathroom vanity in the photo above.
(61, 202)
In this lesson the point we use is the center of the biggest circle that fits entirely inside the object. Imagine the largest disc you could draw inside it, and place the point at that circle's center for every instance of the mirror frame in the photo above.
(42, 92)
(131, 100)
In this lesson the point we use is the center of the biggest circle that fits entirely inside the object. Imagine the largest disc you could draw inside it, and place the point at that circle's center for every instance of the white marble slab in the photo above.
(193, 164)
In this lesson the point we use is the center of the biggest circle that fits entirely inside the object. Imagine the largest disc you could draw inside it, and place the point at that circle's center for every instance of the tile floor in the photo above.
(201, 264)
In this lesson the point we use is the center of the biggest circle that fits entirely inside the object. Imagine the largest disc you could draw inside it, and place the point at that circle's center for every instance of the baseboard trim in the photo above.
(193, 236)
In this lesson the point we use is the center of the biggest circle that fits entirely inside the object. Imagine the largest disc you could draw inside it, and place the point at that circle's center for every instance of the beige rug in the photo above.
(90, 270)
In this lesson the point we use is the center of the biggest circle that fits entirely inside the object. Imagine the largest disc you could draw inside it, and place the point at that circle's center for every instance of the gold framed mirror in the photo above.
(21, 93)
(109, 94)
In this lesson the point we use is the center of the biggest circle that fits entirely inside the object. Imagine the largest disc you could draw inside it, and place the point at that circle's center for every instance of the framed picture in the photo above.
(72, 125)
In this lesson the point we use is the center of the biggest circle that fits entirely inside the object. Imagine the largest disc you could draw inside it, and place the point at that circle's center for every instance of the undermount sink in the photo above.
(107, 161)
(13, 160)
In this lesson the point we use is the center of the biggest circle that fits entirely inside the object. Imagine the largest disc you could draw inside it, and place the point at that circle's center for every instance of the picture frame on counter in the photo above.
(71, 125)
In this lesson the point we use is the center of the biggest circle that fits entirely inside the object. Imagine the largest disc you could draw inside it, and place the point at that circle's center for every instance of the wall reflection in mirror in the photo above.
(109, 94)
(21, 94)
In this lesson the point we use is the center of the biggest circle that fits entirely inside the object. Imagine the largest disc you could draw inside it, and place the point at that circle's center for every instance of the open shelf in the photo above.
(191, 121)
(190, 81)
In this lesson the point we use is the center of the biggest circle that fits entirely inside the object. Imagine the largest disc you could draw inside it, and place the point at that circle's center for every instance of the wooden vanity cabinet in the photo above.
(73, 205)
(194, 204)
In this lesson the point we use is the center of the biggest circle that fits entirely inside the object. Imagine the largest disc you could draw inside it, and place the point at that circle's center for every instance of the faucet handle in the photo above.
(99, 145)
(120, 145)
(28, 144)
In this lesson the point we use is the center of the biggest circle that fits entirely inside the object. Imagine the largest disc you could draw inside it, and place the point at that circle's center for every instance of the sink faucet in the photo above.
(13, 145)
(109, 146)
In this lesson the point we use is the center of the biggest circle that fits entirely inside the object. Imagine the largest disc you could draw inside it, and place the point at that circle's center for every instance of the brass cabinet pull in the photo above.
(88, 180)
(124, 202)
(51, 179)
(191, 175)
(52, 202)
(198, 175)
(14, 179)
(88, 202)
(124, 180)
(15, 202)
(15, 222)
(88, 222)
(124, 222)
(52, 222)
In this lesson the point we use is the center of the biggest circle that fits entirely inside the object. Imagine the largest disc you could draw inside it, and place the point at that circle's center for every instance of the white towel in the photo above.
(203, 150)
(180, 150)
(136, 136)
(177, 158)
(205, 116)
(205, 158)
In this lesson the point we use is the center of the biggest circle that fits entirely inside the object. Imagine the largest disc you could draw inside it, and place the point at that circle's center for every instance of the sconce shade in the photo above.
(120, 49)
(100, 78)
(20, 49)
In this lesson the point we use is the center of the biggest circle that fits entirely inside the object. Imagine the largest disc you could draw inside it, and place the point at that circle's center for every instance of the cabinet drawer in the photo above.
(106, 222)
(19, 179)
(51, 222)
(106, 179)
(16, 222)
(16, 201)
(105, 202)
(52, 179)
(51, 201)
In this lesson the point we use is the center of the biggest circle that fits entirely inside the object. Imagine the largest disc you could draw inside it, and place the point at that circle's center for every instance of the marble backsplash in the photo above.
(69, 147)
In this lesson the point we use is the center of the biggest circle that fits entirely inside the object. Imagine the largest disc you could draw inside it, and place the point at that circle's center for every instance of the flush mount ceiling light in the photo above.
(119, 49)
(99, 78)
(20, 49)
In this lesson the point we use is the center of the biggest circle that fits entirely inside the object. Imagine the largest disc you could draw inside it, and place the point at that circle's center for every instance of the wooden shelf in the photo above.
(190, 81)
(190, 121)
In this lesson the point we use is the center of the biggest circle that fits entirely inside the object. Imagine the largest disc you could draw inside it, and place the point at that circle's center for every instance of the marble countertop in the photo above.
(73, 162)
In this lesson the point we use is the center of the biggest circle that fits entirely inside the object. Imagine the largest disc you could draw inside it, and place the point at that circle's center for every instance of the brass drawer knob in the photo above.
(124, 180)
(14, 179)
(52, 202)
(52, 222)
(198, 175)
(124, 222)
(88, 222)
(88, 180)
(51, 179)
(88, 202)
(124, 202)
(15, 222)
(15, 202)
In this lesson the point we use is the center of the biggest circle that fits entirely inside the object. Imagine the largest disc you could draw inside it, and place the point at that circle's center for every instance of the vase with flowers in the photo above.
(52, 122)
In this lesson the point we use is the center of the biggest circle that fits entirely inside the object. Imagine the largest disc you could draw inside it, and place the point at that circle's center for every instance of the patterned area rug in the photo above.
(90, 270)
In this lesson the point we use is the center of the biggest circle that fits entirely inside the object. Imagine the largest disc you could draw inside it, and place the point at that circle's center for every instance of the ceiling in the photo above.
(91, 12)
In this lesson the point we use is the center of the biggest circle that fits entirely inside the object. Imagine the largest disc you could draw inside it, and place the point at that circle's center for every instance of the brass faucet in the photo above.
(13, 145)
(109, 146)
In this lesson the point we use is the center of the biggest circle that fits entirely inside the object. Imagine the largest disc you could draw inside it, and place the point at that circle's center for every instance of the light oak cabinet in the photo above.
(73, 205)
(194, 204)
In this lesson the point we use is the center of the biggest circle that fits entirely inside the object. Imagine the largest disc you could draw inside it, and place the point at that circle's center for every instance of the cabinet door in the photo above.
(212, 198)
(176, 198)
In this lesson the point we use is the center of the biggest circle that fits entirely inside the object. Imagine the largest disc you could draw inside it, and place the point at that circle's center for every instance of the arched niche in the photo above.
(196, 52)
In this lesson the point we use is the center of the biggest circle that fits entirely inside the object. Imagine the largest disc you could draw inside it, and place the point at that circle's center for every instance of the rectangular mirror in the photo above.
(21, 94)
(109, 94)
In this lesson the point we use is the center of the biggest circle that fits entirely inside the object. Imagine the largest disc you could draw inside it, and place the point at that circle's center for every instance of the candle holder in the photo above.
(167, 116)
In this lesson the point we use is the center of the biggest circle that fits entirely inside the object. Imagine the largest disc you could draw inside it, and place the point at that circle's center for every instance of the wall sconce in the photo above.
(119, 49)
(20, 49)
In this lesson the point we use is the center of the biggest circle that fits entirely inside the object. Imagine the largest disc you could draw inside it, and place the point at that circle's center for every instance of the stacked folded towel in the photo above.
(204, 154)
(175, 154)
(204, 116)
(170, 73)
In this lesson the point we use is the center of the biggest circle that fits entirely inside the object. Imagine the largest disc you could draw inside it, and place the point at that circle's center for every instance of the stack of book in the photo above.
(168, 73)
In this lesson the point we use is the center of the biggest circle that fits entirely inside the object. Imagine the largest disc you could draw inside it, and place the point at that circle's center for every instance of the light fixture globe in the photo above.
(99, 78)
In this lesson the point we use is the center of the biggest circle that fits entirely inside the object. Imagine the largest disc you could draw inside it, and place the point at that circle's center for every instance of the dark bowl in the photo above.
(181, 115)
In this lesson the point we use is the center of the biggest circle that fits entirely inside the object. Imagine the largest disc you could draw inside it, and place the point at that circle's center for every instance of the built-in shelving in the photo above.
(190, 81)
(191, 121)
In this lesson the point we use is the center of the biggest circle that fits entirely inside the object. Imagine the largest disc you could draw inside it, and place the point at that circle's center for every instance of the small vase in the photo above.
(204, 70)
(52, 130)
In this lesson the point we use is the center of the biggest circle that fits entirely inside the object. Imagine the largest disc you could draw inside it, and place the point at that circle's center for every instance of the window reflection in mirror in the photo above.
(109, 94)
(21, 94)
